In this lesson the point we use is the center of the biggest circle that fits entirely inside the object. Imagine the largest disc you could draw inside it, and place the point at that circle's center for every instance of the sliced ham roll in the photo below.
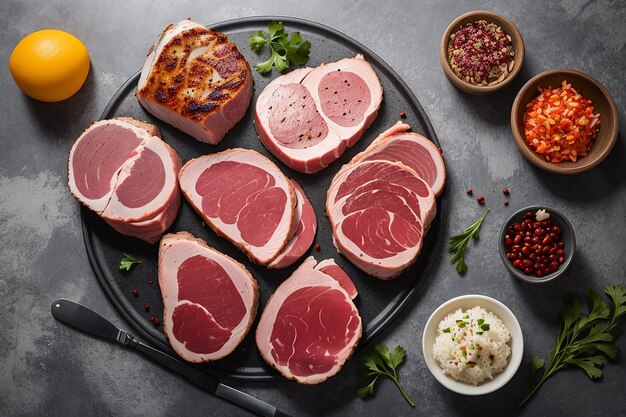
(245, 198)
(196, 80)
(210, 300)
(310, 326)
(379, 212)
(304, 235)
(308, 117)
(127, 175)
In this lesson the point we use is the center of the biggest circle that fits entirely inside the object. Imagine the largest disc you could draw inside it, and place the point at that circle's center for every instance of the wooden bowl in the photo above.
(589, 88)
(507, 26)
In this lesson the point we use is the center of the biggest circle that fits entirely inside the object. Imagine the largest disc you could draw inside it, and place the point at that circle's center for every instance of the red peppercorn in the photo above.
(150, 282)
(480, 199)
(146, 307)
(403, 115)
(135, 293)
(505, 191)
(317, 247)
(506, 202)
(155, 321)
(469, 191)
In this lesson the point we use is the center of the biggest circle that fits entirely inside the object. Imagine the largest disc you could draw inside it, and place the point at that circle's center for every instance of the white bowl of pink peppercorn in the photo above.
(481, 52)
(537, 244)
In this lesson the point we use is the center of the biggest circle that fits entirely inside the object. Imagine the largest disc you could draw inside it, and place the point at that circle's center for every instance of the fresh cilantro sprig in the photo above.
(583, 340)
(458, 243)
(286, 50)
(128, 261)
(382, 362)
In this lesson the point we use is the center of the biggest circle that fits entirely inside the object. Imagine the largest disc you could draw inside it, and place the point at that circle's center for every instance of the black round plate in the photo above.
(379, 302)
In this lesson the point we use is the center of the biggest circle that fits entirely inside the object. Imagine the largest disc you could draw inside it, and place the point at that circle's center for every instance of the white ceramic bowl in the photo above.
(466, 302)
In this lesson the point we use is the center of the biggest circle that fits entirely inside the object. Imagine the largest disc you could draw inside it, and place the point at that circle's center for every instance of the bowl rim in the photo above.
(531, 278)
(508, 318)
(532, 156)
(480, 89)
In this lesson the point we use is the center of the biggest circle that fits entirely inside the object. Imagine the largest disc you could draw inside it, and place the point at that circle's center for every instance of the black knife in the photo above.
(91, 322)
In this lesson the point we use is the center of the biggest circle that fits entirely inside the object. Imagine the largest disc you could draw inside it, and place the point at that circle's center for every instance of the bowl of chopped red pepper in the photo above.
(537, 244)
(481, 52)
(564, 121)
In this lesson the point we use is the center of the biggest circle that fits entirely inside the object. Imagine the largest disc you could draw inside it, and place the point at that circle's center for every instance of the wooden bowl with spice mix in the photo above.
(481, 52)
(564, 121)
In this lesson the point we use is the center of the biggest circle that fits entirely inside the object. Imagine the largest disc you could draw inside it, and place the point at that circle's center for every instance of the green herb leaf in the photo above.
(583, 339)
(446, 330)
(485, 327)
(258, 41)
(535, 365)
(382, 361)
(457, 244)
(128, 261)
(285, 50)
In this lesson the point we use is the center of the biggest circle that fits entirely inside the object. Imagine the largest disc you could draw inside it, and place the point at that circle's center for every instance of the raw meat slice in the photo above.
(210, 300)
(121, 170)
(309, 327)
(413, 150)
(304, 235)
(379, 212)
(245, 198)
(330, 268)
(197, 81)
(308, 117)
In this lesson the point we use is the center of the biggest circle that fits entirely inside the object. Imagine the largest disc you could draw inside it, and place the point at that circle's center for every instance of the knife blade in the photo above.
(87, 320)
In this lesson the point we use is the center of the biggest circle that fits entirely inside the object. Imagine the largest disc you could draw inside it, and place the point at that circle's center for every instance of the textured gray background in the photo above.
(49, 369)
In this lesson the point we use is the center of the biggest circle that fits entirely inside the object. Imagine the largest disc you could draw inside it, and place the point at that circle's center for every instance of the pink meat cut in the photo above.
(304, 235)
(245, 198)
(310, 326)
(308, 117)
(196, 80)
(379, 212)
(413, 150)
(209, 299)
(123, 171)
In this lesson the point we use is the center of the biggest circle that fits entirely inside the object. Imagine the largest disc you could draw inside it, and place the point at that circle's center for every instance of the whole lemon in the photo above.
(49, 65)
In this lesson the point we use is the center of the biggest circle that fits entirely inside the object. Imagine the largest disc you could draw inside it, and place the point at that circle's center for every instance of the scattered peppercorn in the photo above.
(155, 321)
(480, 199)
(150, 282)
(135, 293)
(317, 247)
(146, 307)
(505, 191)
(469, 191)
(403, 115)
(506, 202)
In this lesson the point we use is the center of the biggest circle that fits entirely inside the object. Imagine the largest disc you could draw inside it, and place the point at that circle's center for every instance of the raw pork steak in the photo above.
(123, 171)
(245, 198)
(310, 326)
(195, 80)
(379, 212)
(210, 300)
(308, 117)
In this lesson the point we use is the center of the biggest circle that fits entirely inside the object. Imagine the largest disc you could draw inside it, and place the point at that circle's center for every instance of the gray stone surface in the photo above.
(49, 369)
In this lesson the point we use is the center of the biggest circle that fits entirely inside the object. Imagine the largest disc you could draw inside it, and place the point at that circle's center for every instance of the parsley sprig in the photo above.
(128, 261)
(458, 243)
(583, 340)
(286, 50)
(383, 362)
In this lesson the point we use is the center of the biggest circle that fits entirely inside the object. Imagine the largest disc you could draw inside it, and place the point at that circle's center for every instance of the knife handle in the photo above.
(249, 402)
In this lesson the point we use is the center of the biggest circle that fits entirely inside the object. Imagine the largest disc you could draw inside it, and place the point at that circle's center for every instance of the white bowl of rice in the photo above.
(473, 344)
